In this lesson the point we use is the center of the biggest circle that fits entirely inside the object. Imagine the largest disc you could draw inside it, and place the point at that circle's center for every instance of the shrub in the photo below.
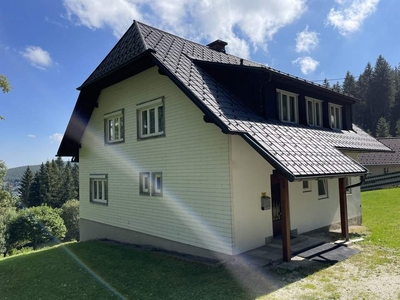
(70, 215)
(35, 225)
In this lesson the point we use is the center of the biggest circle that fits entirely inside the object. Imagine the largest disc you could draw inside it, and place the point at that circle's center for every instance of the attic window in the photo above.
(335, 114)
(287, 106)
(114, 127)
(314, 112)
(150, 116)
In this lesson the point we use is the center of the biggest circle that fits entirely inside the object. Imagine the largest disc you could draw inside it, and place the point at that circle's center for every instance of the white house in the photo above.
(185, 147)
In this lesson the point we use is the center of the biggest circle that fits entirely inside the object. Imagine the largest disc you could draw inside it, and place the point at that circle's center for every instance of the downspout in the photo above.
(362, 180)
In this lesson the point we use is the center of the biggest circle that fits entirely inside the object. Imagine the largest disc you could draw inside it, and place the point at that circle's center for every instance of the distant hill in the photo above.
(15, 174)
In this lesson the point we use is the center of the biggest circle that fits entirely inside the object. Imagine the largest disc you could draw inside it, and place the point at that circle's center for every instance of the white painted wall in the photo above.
(193, 158)
(250, 175)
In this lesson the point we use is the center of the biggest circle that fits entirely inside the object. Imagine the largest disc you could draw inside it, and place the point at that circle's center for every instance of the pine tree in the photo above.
(326, 84)
(68, 190)
(350, 87)
(364, 94)
(38, 192)
(336, 87)
(398, 128)
(25, 186)
(382, 128)
(75, 176)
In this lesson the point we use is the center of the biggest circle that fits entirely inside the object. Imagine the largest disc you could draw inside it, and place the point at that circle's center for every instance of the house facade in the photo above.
(185, 147)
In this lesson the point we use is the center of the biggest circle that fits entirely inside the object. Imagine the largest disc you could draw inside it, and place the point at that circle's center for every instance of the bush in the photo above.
(70, 215)
(35, 225)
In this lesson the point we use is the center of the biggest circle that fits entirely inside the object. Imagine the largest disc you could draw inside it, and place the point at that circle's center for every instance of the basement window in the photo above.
(287, 106)
(99, 188)
(114, 127)
(150, 116)
(322, 188)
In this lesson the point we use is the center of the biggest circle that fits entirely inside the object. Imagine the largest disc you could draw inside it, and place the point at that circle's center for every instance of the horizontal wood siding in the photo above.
(193, 157)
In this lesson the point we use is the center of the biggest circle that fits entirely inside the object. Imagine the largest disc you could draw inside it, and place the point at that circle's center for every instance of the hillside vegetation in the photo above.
(15, 174)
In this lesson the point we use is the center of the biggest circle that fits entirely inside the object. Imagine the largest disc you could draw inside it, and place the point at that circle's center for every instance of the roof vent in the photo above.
(218, 45)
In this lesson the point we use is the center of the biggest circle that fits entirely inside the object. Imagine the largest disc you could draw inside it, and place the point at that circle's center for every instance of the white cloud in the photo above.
(351, 14)
(38, 57)
(307, 64)
(238, 22)
(306, 41)
(56, 138)
(32, 136)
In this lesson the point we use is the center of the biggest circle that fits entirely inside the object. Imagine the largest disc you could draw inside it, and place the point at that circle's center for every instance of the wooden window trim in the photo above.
(280, 106)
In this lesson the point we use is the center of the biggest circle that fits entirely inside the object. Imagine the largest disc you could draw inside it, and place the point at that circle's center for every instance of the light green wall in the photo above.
(193, 157)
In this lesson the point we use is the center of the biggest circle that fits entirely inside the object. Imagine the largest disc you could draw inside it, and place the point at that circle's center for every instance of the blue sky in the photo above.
(48, 48)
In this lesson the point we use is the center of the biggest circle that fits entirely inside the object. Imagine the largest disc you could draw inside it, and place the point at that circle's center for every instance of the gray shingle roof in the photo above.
(299, 150)
(381, 159)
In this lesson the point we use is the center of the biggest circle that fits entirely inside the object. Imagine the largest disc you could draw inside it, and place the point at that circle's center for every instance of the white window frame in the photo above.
(325, 184)
(156, 184)
(294, 107)
(316, 107)
(308, 187)
(347, 182)
(385, 170)
(144, 177)
(335, 119)
(99, 188)
(109, 133)
(146, 108)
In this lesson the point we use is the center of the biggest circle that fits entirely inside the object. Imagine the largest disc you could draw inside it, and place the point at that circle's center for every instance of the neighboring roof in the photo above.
(381, 159)
(299, 151)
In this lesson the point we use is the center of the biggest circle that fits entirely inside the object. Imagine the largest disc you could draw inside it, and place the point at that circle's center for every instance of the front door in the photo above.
(276, 206)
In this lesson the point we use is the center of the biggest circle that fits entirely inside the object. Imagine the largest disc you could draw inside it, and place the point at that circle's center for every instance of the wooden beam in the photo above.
(344, 221)
(286, 246)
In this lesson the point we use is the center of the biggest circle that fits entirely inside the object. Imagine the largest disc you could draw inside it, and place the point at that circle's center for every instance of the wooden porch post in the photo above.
(286, 246)
(344, 221)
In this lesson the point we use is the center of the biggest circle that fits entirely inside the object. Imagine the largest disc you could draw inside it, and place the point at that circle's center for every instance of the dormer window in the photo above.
(335, 115)
(287, 106)
(314, 112)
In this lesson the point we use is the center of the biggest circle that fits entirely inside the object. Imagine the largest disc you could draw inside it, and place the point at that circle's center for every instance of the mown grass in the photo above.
(98, 270)
(381, 215)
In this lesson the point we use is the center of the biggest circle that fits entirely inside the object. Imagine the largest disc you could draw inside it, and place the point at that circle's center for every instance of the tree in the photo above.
(326, 84)
(70, 215)
(336, 87)
(382, 128)
(38, 193)
(364, 94)
(68, 189)
(4, 86)
(34, 225)
(25, 187)
(398, 128)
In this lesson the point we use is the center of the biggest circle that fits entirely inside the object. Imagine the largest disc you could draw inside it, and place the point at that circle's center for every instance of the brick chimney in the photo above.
(218, 45)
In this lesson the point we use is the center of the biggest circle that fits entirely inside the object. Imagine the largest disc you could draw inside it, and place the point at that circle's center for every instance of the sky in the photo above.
(49, 47)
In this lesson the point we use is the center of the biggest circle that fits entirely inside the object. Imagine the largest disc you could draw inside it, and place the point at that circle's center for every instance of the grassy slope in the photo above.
(54, 274)
(381, 215)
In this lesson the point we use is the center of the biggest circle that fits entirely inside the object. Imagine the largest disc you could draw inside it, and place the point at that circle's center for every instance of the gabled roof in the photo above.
(299, 151)
(381, 159)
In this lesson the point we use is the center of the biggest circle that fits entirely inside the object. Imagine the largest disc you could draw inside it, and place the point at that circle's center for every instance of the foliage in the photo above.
(326, 84)
(16, 174)
(398, 127)
(4, 86)
(34, 225)
(120, 272)
(336, 87)
(25, 186)
(382, 128)
(70, 215)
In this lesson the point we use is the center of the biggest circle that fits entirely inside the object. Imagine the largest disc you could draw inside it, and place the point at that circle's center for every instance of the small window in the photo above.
(144, 184)
(385, 170)
(306, 186)
(150, 117)
(314, 112)
(322, 188)
(287, 106)
(347, 182)
(114, 127)
(335, 112)
(156, 184)
(99, 188)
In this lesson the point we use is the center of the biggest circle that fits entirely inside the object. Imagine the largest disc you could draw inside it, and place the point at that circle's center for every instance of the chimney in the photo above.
(218, 45)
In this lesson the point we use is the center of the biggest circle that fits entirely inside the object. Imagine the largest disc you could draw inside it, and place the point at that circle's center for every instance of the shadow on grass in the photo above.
(104, 270)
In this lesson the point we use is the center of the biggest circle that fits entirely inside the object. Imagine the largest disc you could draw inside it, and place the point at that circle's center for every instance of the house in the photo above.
(186, 147)
(383, 162)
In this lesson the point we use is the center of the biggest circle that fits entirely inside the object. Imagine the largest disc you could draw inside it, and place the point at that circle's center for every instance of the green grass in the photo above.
(126, 272)
(381, 215)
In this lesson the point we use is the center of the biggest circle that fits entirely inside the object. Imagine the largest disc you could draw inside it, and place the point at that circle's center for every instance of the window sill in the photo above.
(115, 142)
(153, 136)
(98, 202)
(323, 197)
(306, 191)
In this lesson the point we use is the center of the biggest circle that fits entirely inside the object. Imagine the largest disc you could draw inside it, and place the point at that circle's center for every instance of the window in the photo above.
(385, 170)
(99, 188)
(335, 112)
(322, 188)
(314, 112)
(306, 186)
(287, 106)
(150, 117)
(144, 184)
(114, 127)
(156, 184)
(347, 182)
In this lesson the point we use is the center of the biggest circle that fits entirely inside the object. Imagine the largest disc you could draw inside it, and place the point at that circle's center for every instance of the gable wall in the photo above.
(193, 157)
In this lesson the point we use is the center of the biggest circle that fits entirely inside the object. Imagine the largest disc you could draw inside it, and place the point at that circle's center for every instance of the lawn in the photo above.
(103, 270)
